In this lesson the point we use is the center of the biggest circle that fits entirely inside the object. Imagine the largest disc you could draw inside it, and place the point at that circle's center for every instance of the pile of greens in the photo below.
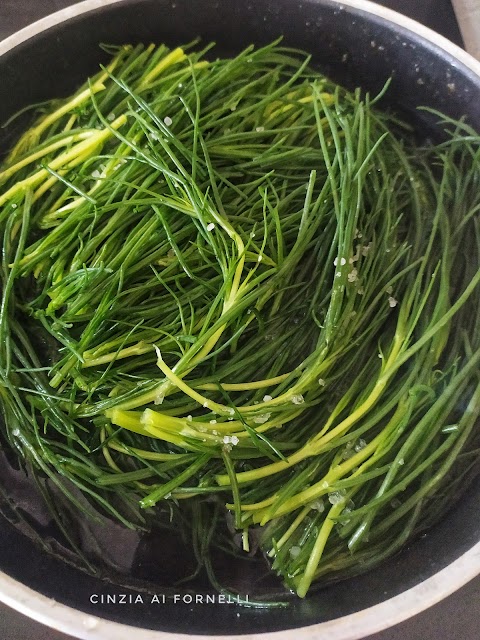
(232, 286)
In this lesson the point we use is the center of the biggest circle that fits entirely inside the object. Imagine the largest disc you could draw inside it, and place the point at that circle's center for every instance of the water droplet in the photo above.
(159, 398)
(262, 418)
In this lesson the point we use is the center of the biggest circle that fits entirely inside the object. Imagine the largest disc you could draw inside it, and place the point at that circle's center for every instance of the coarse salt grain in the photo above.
(321, 382)
(298, 399)
(392, 302)
(210, 226)
(294, 551)
(213, 422)
(348, 453)
(168, 121)
(260, 129)
(267, 398)
(234, 440)
(353, 275)
(318, 505)
(336, 497)
(361, 444)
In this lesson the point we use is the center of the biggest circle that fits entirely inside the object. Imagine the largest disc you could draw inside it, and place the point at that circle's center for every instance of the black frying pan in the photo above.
(356, 45)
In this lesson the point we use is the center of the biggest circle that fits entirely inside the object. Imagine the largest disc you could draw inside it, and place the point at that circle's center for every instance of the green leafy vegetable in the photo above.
(232, 282)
